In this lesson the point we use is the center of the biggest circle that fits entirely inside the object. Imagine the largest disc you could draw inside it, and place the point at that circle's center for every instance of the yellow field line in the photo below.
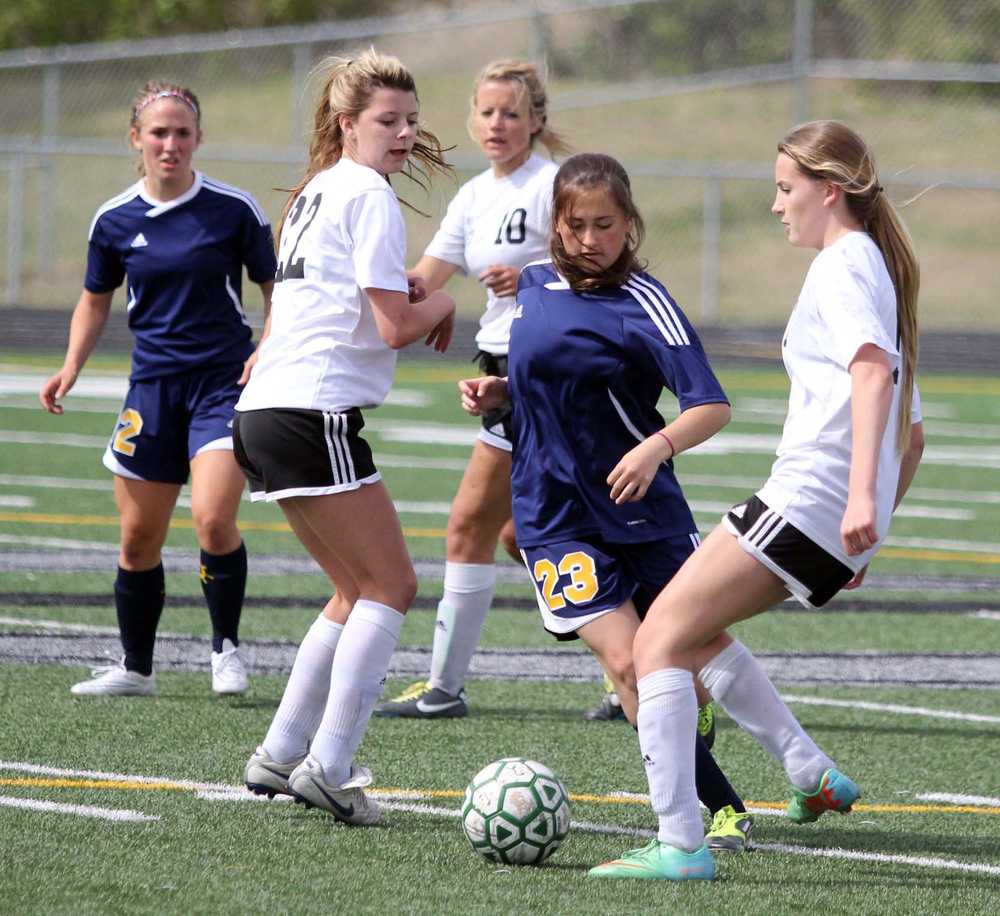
(37, 782)
(40, 518)
(953, 556)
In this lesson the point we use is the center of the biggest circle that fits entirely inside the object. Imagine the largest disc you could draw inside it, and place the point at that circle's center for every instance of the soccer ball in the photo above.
(516, 811)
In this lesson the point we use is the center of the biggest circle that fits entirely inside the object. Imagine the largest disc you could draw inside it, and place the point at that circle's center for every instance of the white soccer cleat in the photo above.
(115, 681)
(228, 674)
(263, 775)
(346, 802)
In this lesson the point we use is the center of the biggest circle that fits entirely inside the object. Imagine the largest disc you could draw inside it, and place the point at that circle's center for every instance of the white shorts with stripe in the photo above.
(293, 452)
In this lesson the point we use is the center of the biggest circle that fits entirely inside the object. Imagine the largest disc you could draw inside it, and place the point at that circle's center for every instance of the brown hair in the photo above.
(585, 172)
(162, 89)
(531, 86)
(830, 151)
(348, 84)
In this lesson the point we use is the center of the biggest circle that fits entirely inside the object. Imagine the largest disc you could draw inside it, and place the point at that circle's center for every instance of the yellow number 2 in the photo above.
(129, 426)
(582, 572)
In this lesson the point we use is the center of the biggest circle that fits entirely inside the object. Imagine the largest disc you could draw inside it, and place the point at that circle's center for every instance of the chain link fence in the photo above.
(692, 95)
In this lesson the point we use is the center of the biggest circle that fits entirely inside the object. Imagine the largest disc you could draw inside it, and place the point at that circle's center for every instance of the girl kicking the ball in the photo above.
(850, 447)
(600, 518)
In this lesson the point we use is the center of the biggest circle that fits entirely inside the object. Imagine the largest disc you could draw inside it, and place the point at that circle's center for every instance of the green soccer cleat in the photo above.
(706, 723)
(659, 862)
(836, 792)
(730, 830)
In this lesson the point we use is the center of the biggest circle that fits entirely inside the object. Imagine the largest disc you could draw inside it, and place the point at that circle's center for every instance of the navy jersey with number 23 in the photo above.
(586, 371)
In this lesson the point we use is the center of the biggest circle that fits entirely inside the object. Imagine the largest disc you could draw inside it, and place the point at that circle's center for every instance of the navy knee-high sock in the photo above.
(139, 602)
(223, 582)
(714, 790)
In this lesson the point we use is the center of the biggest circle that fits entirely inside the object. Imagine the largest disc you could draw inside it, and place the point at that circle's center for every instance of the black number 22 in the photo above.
(288, 267)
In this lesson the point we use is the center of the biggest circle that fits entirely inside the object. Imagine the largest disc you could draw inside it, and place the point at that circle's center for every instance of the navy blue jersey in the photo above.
(585, 373)
(184, 262)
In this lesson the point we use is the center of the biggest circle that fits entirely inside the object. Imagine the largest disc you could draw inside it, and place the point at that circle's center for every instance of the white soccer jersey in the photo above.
(498, 221)
(847, 300)
(344, 234)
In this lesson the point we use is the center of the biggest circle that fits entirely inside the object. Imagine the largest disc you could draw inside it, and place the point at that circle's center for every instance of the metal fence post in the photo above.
(47, 191)
(710, 257)
(15, 226)
(302, 61)
(802, 52)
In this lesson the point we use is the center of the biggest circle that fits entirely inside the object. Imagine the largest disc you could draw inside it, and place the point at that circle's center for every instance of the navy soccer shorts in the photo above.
(166, 421)
(578, 581)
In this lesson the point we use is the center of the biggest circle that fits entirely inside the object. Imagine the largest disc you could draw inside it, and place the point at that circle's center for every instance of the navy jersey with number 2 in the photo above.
(586, 371)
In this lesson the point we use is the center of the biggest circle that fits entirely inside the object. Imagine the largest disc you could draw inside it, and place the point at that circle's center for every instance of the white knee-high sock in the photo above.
(737, 680)
(468, 593)
(356, 681)
(668, 724)
(304, 699)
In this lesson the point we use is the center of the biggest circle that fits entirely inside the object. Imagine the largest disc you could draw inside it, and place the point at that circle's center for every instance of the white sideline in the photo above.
(106, 814)
(951, 799)
(893, 707)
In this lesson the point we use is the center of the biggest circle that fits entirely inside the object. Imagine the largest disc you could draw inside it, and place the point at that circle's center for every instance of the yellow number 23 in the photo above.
(582, 587)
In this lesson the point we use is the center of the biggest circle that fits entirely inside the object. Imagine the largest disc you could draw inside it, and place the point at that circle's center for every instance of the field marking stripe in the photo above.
(38, 518)
(107, 814)
(858, 856)
(19, 767)
(38, 782)
(961, 799)
(892, 707)
(213, 791)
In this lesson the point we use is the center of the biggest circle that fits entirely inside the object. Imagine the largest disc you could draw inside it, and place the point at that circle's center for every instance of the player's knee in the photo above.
(139, 548)
(620, 669)
(216, 532)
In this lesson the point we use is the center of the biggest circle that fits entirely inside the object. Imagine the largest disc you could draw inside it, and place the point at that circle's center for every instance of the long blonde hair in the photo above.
(348, 84)
(531, 86)
(830, 151)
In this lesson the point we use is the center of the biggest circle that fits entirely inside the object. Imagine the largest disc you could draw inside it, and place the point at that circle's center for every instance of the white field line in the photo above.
(856, 856)
(951, 799)
(106, 814)
(908, 510)
(223, 792)
(58, 626)
(447, 434)
(985, 615)
(14, 501)
(893, 708)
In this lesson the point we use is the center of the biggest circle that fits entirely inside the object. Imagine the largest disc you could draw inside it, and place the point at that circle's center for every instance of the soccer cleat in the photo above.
(421, 701)
(346, 802)
(730, 830)
(836, 792)
(659, 862)
(228, 674)
(608, 710)
(115, 681)
(706, 723)
(263, 775)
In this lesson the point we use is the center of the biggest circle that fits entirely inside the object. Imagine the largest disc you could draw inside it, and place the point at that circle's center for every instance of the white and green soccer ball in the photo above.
(516, 811)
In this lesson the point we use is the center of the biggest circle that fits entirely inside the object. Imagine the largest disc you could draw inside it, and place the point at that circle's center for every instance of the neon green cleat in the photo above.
(706, 723)
(836, 792)
(659, 862)
(730, 830)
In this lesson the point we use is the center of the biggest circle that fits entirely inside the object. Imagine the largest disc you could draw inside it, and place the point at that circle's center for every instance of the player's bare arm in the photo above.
(630, 478)
(871, 400)
(401, 322)
(89, 318)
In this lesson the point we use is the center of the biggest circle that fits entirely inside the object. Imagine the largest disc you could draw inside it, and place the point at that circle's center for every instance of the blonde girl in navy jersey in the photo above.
(601, 520)
(496, 223)
(179, 240)
(850, 447)
(342, 308)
